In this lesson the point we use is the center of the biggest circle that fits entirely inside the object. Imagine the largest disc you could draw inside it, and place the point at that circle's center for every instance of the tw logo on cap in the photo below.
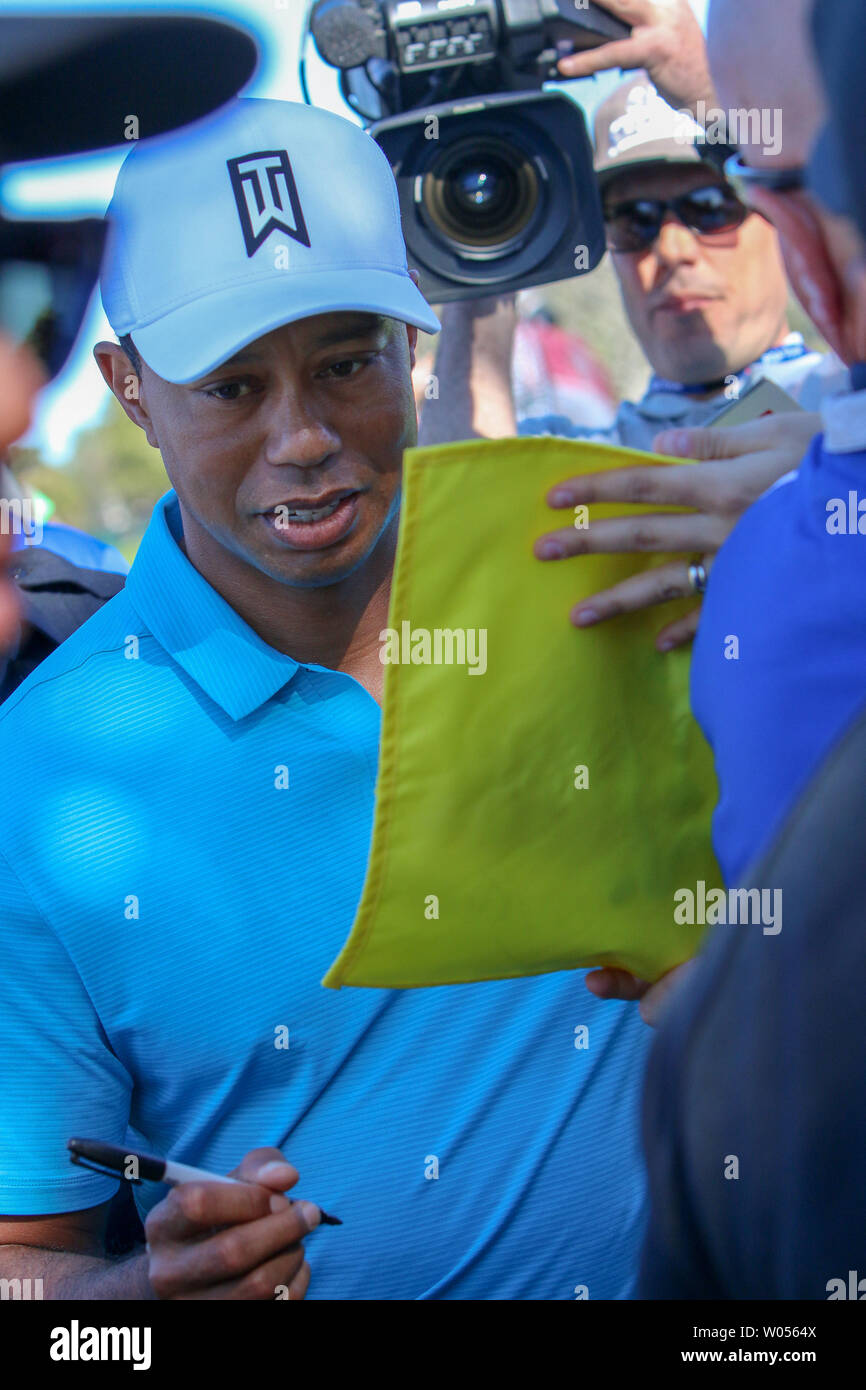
(267, 197)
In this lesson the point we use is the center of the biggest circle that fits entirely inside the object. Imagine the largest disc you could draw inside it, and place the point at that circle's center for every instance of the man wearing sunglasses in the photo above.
(701, 277)
(790, 580)
(761, 1056)
(703, 284)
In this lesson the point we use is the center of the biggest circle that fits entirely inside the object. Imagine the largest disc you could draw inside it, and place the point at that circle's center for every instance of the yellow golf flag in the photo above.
(543, 792)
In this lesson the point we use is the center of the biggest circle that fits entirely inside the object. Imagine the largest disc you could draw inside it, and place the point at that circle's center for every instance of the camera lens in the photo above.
(481, 194)
(479, 189)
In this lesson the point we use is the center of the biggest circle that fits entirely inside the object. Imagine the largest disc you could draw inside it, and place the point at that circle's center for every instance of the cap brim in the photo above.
(190, 341)
(689, 156)
(69, 83)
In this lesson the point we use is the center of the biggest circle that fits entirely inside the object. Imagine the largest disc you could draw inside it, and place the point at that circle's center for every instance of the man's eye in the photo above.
(341, 370)
(229, 391)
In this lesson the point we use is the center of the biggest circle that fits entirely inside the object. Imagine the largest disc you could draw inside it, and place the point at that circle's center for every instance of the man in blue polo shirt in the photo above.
(779, 667)
(760, 1058)
(174, 891)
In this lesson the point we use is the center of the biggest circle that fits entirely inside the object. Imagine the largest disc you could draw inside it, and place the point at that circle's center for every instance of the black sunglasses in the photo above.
(743, 178)
(635, 224)
(47, 274)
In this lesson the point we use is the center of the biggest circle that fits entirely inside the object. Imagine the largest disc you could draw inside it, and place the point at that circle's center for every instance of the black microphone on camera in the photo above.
(345, 32)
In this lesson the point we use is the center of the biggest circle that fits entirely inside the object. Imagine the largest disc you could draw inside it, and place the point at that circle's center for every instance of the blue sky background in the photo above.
(82, 186)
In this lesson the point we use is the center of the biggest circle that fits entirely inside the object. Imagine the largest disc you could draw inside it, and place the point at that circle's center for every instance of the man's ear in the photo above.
(411, 330)
(811, 269)
(123, 380)
(412, 335)
(848, 253)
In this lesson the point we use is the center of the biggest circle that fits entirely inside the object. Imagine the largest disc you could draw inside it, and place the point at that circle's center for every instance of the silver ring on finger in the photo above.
(697, 579)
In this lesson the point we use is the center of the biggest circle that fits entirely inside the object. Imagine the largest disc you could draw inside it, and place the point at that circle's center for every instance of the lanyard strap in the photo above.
(792, 348)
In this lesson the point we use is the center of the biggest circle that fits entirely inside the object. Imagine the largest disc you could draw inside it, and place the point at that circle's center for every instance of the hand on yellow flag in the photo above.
(543, 793)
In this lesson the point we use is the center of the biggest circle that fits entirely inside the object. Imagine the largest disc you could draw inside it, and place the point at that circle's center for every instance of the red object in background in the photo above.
(556, 373)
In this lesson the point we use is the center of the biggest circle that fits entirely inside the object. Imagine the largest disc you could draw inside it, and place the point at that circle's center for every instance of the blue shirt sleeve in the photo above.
(80, 549)
(59, 1075)
(553, 424)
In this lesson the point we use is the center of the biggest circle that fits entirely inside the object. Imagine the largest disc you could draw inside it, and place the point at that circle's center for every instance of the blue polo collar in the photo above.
(195, 625)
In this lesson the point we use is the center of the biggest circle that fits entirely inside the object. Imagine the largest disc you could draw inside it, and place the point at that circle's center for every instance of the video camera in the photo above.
(495, 178)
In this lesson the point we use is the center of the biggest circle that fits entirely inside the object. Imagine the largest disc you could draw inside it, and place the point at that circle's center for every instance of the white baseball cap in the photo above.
(267, 212)
(635, 125)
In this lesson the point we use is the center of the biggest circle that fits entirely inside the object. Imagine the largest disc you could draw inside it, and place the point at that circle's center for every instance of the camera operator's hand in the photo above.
(209, 1240)
(739, 462)
(666, 39)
